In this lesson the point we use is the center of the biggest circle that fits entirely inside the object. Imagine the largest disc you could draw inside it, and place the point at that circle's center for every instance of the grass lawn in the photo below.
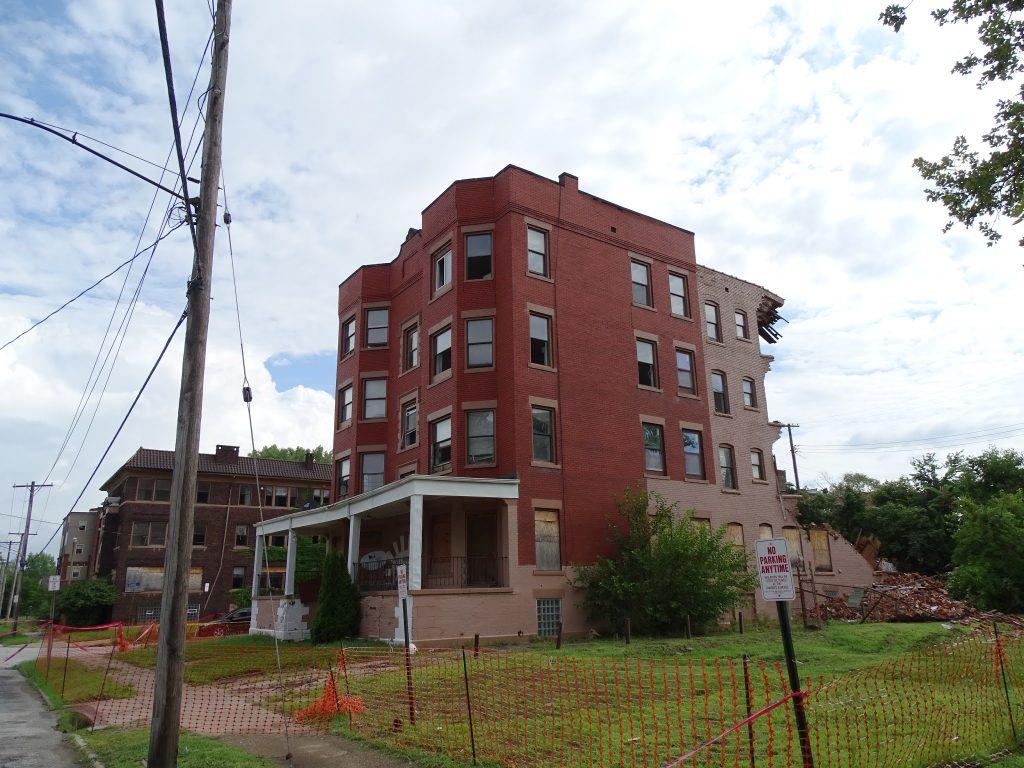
(19, 638)
(127, 748)
(80, 684)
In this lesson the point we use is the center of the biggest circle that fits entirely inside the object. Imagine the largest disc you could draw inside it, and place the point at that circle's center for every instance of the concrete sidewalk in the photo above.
(28, 730)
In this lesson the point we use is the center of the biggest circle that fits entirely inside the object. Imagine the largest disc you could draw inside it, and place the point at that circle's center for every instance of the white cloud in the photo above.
(782, 136)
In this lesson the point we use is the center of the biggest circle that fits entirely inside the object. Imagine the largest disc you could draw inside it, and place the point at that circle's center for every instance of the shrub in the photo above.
(667, 568)
(86, 603)
(989, 553)
(338, 611)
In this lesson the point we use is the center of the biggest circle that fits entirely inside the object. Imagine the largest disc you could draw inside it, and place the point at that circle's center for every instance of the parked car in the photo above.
(234, 623)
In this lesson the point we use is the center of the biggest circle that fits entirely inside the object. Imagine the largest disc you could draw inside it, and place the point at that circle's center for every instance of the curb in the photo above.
(84, 748)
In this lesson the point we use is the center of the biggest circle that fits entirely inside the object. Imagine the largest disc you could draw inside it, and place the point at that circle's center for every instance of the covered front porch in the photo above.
(452, 534)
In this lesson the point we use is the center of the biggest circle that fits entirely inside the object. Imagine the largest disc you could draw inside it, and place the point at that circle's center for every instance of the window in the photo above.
(543, 434)
(278, 540)
(76, 573)
(693, 454)
(154, 489)
(822, 550)
(373, 471)
(376, 327)
(684, 371)
(79, 549)
(734, 533)
(148, 534)
(646, 363)
(202, 493)
(199, 535)
(641, 276)
(280, 496)
(321, 496)
(442, 268)
(678, 297)
(741, 325)
(81, 526)
(410, 420)
(348, 336)
(702, 522)
(480, 437)
(241, 535)
(268, 495)
(410, 348)
(714, 329)
(719, 392)
(765, 531)
(410, 470)
(756, 464)
(246, 495)
(537, 251)
(441, 350)
(749, 393)
(344, 404)
(238, 577)
(478, 256)
(549, 616)
(540, 340)
(727, 466)
(375, 394)
(342, 471)
(792, 536)
(546, 540)
(441, 444)
(480, 343)
(654, 448)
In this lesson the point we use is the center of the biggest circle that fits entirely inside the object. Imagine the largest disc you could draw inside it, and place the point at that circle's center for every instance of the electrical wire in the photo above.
(933, 438)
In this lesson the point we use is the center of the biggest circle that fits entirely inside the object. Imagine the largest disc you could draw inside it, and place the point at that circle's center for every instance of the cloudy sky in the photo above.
(782, 135)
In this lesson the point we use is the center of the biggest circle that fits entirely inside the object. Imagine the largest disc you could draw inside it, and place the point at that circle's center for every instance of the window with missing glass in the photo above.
(281, 496)
(537, 251)
(373, 471)
(711, 322)
(377, 327)
(241, 535)
(480, 437)
(540, 340)
(646, 363)
(344, 404)
(654, 448)
(375, 395)
(410, 419)
(684, 371)
(342, 472)
(478, 256)
(441, 444)
(727, 466)
(237, 577)
(756, 464)
(749, 393)
(640, 274)
(543, 434)
(246, 495)
(678, 296)
(202, 493)
(693, 454)
(480, 342)
(348, 336)
(719, 392)
(148, 534)
(410, 347)
(441, 351)
(741, 325)
(442, 268)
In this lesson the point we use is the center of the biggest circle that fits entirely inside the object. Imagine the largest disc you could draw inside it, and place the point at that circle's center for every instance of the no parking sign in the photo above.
(774, 570)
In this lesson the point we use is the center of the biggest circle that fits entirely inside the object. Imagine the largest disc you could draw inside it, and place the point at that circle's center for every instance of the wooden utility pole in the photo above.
(170, 658)
(792, 453)
(19, 574)
(3, 577)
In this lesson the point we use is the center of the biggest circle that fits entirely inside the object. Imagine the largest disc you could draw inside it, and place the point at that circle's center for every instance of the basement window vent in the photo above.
(549, 614)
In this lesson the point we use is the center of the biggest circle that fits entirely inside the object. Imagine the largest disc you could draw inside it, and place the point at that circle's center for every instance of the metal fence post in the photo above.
(67, 653)
(469, 706)
(344, 672)
(103, 682)
(750, 725)
(1006, 687)
(408, 665)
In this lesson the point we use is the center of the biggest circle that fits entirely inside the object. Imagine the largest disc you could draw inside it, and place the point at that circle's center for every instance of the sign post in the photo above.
(775, 572)
(402, 577)
(52, 586)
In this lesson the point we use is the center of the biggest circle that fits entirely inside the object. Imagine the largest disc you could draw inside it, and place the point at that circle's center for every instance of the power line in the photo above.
(922, 448)
(932, 438)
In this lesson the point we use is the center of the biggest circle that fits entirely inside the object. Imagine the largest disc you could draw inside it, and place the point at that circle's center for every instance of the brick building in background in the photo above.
(131, 525)
(77, 543)
(531, 352)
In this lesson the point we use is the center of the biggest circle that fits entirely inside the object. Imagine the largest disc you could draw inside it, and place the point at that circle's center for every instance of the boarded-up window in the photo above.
(702, 522)
(545, 528)
(792, 536)
(151, 579)
(764, 531)
(734, 533)
(822, 550)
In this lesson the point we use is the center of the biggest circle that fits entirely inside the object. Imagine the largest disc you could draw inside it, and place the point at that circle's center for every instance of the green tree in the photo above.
(979, 187)
(666, 568)
(35, 599)
(86, 603)
(320, 454)
(338, 612)
(989, 553)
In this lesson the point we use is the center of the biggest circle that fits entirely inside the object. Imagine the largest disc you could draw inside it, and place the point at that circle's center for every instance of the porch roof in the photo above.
(393, 493)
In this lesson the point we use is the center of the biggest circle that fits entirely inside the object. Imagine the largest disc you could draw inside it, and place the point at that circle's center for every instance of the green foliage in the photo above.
(320, 454)
(338, 612)
(989, 554)
(242, 597)
(86, 603)
(121, 748)
(35, 599)
(666, 568)
(979, 187)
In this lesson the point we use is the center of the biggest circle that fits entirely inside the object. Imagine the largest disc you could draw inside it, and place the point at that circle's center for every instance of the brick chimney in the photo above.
(226, 454)
(569, 181)
(309, 460)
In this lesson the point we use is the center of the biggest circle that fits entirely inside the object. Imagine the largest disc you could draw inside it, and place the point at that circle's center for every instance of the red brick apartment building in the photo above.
(130, 526)
(531, 352)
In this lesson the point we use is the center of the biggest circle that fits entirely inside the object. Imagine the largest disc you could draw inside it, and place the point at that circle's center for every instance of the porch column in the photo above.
(289, 568)
(256, 564)
(354, 526)
(415, 542)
